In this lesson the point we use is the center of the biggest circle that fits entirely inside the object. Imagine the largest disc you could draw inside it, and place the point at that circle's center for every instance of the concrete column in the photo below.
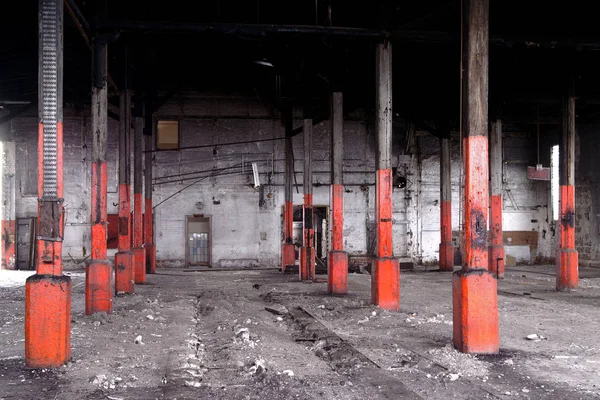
(124, 259)
(307, 252)
(496, 251)
(48, 292)
(385, 272)
(446, 246)
(338, 258)
(98, 272)
(288, 249)
(475, 300)
(139, 253)
(567, 259)
(148, 216)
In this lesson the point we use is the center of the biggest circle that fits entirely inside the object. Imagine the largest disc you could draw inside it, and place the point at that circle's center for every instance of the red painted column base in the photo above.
(475, 311)
(447, 257)
(150, 258)
(337, 279)
(288, 257)
(307, 263)
(98, 287)
(139, 256)
(124, 272)
(567, 269)
(496, 260)
(385, 283)
(47, 321)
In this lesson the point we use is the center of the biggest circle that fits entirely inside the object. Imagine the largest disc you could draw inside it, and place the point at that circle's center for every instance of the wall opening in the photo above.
(167, 135)
(321, 225)
(198, 240)
(554, 181)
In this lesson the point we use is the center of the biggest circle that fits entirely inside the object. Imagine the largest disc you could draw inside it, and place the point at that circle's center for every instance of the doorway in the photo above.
(320, 224)
(26, 243)
(198, 240)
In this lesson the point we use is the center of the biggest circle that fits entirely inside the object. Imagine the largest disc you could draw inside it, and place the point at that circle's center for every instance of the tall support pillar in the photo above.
(446, 246)
(48, 292)
(496, 251)
(474, 288)
(288, 250)
(567, 260)
(124, 259)
(338, 258)
(139, 253)
(307, 252)
(148, 215)
(98, 272)
(385, 272)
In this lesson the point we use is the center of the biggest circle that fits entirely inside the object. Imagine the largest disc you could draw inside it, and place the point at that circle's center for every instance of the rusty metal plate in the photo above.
(50, 220)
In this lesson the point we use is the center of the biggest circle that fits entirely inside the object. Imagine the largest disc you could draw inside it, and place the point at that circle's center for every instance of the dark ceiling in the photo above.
(535, 46)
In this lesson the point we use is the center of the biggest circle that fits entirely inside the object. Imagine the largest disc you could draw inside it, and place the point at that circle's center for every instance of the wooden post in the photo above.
(385, 272)
(98, 272)
(567, 260)
(496, 251)
(138, 182)
(307, 252)
(124, 258)
(288, 249)
(338, 258)
(446, 246)
(474, 288)
(148, 215)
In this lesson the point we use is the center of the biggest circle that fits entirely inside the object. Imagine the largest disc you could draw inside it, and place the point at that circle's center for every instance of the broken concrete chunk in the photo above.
(98, 379)
(277, 309)
(259, 367)
(243, 334)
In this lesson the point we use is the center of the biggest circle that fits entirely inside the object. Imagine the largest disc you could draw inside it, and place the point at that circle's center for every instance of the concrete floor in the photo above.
(195, 345)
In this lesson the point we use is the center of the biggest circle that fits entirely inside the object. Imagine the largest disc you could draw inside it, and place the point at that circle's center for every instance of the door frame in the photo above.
(187, 241)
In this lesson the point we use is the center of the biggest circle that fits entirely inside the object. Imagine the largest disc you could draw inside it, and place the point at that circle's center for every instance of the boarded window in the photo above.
(167, 136)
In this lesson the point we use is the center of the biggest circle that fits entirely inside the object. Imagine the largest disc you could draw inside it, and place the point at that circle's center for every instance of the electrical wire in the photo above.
(215, 145)
(190, 185)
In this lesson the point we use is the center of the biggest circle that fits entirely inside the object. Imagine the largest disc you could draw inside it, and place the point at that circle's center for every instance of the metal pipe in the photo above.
(48, 292)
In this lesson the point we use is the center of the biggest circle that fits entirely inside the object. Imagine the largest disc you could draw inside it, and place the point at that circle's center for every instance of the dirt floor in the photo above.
(258, 334)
